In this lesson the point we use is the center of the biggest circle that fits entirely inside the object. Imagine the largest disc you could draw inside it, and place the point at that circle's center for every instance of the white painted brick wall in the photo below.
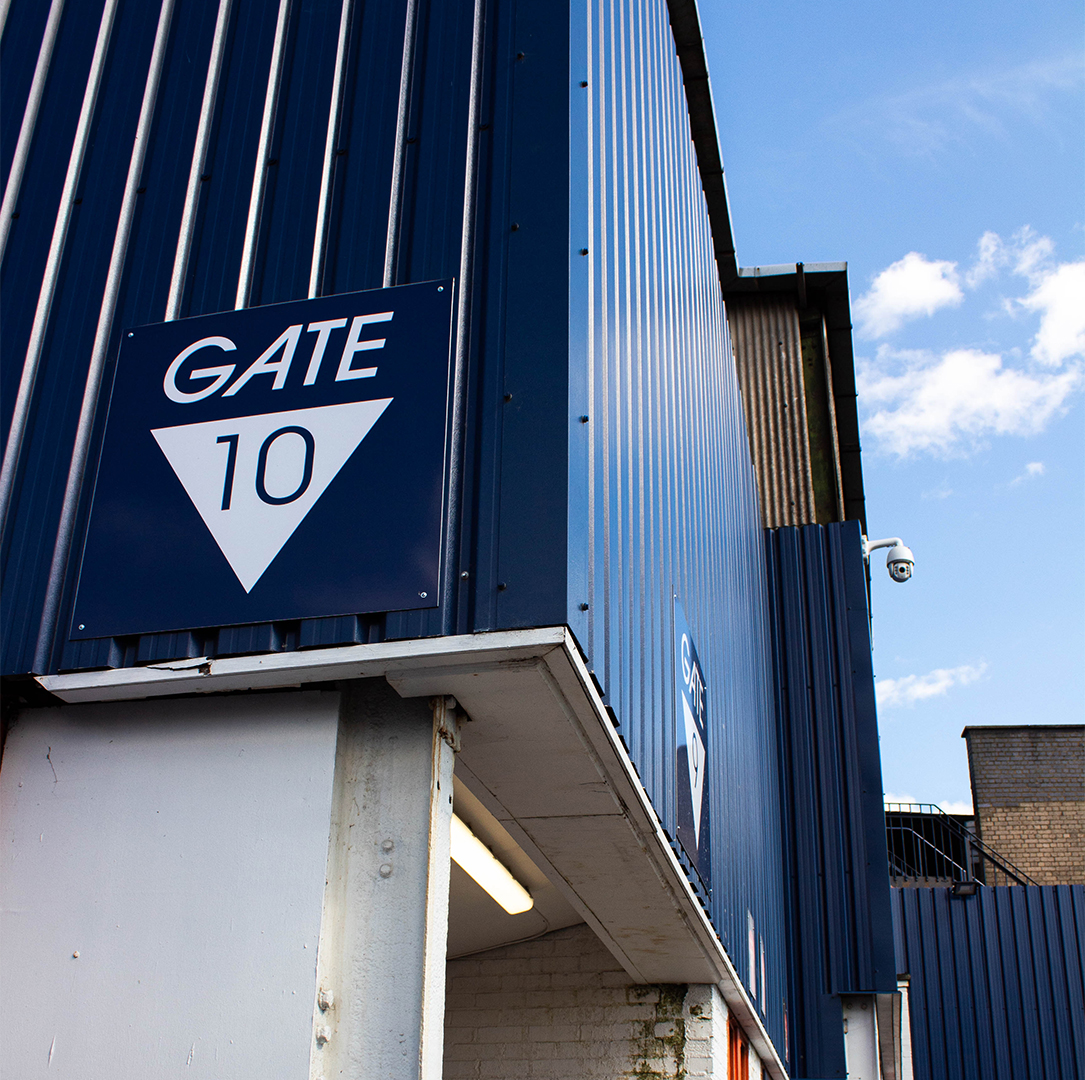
(561, 1008)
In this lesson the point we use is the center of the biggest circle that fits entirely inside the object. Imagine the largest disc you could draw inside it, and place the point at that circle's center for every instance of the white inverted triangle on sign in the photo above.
(254, 478)
(695, 759)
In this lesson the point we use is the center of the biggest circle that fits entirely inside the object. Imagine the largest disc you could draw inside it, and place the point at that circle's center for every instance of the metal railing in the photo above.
(927, 846)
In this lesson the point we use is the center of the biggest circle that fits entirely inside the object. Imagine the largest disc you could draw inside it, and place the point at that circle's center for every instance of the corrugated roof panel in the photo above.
(768, 350)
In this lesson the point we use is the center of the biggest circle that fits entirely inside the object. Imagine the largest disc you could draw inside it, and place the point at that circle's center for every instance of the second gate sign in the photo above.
(273, 463)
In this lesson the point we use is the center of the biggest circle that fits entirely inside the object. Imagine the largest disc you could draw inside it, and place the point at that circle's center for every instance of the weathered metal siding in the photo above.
(839, 918)
(663, 495)
(768, 351)
(997, 981)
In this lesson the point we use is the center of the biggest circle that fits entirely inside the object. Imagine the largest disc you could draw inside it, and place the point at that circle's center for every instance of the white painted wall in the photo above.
(860, 1036)
(179, 848)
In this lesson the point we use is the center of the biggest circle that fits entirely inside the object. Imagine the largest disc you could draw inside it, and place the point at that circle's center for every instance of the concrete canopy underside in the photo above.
(541, 754)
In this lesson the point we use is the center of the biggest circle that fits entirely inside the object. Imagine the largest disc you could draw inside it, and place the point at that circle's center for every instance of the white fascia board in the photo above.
(423, 660)
(271, 670)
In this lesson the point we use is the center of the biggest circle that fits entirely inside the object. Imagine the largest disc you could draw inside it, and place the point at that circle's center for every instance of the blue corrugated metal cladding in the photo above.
(838, 916)
(997, 981)
(604, 467)
(663, 499)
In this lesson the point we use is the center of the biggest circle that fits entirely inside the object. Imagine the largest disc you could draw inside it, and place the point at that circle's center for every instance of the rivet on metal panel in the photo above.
(519, 56)
(583, 84)
(464, 574)
(583, 251)
(386, 870)
(81, 627)
(323, 1035)
(388, 845)
(501, 586)
(325, 999)
(440, 288)
(584, 419)
(423, 595)
(507, 397)
(583, 607)
(515, 226)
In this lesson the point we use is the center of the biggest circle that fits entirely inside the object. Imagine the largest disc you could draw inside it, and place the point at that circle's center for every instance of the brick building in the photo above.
(1028, 792)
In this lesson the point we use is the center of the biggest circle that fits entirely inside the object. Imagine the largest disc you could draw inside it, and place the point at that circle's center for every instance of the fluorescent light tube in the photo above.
(475, 858)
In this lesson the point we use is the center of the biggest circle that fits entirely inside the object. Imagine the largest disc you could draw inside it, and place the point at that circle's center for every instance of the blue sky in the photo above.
(940, 151)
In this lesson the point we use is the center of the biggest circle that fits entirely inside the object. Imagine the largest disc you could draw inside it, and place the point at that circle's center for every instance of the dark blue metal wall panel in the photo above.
(663, 501)
(28, 243)
(838, 874)
(290, 205)
(996, 981)
(74, 318)
(224, 197)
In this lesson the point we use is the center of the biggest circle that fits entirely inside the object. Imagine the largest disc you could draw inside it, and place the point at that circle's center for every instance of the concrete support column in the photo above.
(379, 1011)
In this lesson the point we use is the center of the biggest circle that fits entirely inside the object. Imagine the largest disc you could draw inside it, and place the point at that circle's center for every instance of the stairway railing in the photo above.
(927, 844)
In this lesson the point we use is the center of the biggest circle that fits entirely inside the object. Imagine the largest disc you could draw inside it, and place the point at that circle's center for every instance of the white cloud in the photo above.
(944, 404)
(1027, 253)
(911, 287)
(956, 806)
(949, 402)
(991, 257)
(909, 689)
(943, 492)
(1033, 468)
(1058, 295)
(929, 120)
(1057, 292)
(1031, 253)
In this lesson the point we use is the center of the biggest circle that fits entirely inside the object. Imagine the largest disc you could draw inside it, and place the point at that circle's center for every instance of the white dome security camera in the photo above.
(900, 560)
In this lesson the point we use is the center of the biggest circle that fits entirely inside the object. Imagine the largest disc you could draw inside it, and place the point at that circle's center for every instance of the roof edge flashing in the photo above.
(689, 45)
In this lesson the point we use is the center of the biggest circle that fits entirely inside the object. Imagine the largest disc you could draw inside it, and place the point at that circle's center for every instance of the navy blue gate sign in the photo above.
(270, 464)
